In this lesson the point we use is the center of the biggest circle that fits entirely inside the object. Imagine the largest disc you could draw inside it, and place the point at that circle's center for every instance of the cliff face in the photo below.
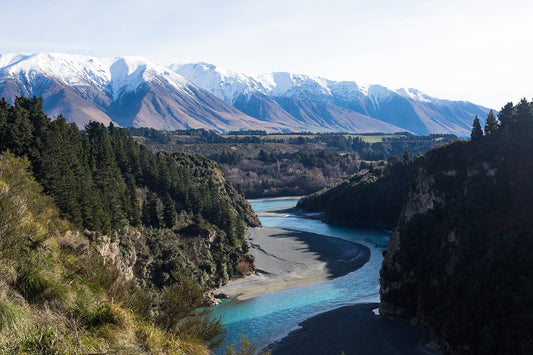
(460, 260)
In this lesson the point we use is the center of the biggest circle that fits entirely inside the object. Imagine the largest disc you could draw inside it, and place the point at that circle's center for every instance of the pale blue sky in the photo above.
(480, 51)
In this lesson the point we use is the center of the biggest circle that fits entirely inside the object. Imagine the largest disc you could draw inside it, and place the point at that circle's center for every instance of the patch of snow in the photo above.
(346, 90)
(70, 69)
(228, 85)
(128, 73)
(295, 85)
(415, 95)
(364, 88)
(224, 84)
(378, 94)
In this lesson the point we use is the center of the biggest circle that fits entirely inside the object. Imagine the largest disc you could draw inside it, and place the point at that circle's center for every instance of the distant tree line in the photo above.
(315, 158)
(289, 163)
(391, 145)
(249, 132)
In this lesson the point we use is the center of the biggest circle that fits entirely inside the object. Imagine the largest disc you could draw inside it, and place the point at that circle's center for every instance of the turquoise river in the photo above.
(269, 318)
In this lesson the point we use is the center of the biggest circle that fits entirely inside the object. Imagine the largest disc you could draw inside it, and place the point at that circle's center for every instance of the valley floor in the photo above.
(288, 259)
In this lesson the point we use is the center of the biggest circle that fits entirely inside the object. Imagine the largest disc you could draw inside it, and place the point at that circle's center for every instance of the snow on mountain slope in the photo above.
(408, 109)
(224, 84)
(129, 91)
(229, 85)
(244, 92)
(67, 68)
(416, 95)
(133, 91)
(308, 105)
(112, 75)
(295, 85)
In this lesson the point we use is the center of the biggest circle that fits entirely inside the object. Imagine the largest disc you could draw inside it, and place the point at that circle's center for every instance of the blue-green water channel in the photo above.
(268, 318)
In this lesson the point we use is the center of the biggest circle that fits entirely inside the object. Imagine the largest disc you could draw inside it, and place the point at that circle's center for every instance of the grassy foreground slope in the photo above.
(58, 295)
(106, 247)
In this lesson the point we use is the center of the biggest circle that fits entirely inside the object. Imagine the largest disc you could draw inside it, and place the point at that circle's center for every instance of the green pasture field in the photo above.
(367, 138)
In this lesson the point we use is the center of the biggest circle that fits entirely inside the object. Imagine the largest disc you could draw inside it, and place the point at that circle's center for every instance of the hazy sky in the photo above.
(480, 51)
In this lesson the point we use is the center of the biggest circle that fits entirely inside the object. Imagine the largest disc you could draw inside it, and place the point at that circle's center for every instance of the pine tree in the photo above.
(240, 230)
(163, 173)
(523, 110)
(19, 130)
(406, 157)
(59, 170)
(169, 211)
(133, 210)
(150, 217)
(477, 132)
(491, 125)
(506, 113)
(4, 111)
(107, 176)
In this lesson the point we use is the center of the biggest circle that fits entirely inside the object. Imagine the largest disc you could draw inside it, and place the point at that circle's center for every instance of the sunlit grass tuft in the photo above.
(12, 316)
(44, 340)
(37, 284)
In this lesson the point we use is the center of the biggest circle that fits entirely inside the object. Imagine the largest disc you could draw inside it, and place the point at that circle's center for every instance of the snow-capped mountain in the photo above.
(131, 91)
(298, 100)
(296, 95)
(128, 91)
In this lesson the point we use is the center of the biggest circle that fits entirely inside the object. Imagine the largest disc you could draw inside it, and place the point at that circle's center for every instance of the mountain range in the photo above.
(132, 92)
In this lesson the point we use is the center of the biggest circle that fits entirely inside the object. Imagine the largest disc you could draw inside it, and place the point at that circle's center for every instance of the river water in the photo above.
(266, 319)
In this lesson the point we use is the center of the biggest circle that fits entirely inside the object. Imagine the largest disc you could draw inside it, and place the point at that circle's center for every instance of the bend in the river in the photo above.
(270, 317)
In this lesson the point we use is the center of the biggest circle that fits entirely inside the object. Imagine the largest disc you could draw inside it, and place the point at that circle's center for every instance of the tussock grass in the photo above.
(202, 327)
(154, 341)
(37, 283)
(12, 316)
(8, 273)
(44, 340)
(246, 348)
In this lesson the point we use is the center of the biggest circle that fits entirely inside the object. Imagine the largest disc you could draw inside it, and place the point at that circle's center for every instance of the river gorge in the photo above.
(268, 318)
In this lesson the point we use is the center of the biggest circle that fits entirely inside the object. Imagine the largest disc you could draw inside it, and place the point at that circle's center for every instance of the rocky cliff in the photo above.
(460, 260)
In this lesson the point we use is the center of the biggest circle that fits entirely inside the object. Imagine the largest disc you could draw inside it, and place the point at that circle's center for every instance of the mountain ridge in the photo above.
(409, 109)
(131, 91)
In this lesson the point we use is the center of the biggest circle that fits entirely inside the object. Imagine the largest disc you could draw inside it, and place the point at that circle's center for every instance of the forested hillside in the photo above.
(460, 262)
(262, 164)
(112, 167)
(373, 197)
(126, 256)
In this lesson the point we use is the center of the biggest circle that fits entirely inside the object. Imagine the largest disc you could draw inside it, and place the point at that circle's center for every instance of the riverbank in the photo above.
(354, 330)
(288, 259)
